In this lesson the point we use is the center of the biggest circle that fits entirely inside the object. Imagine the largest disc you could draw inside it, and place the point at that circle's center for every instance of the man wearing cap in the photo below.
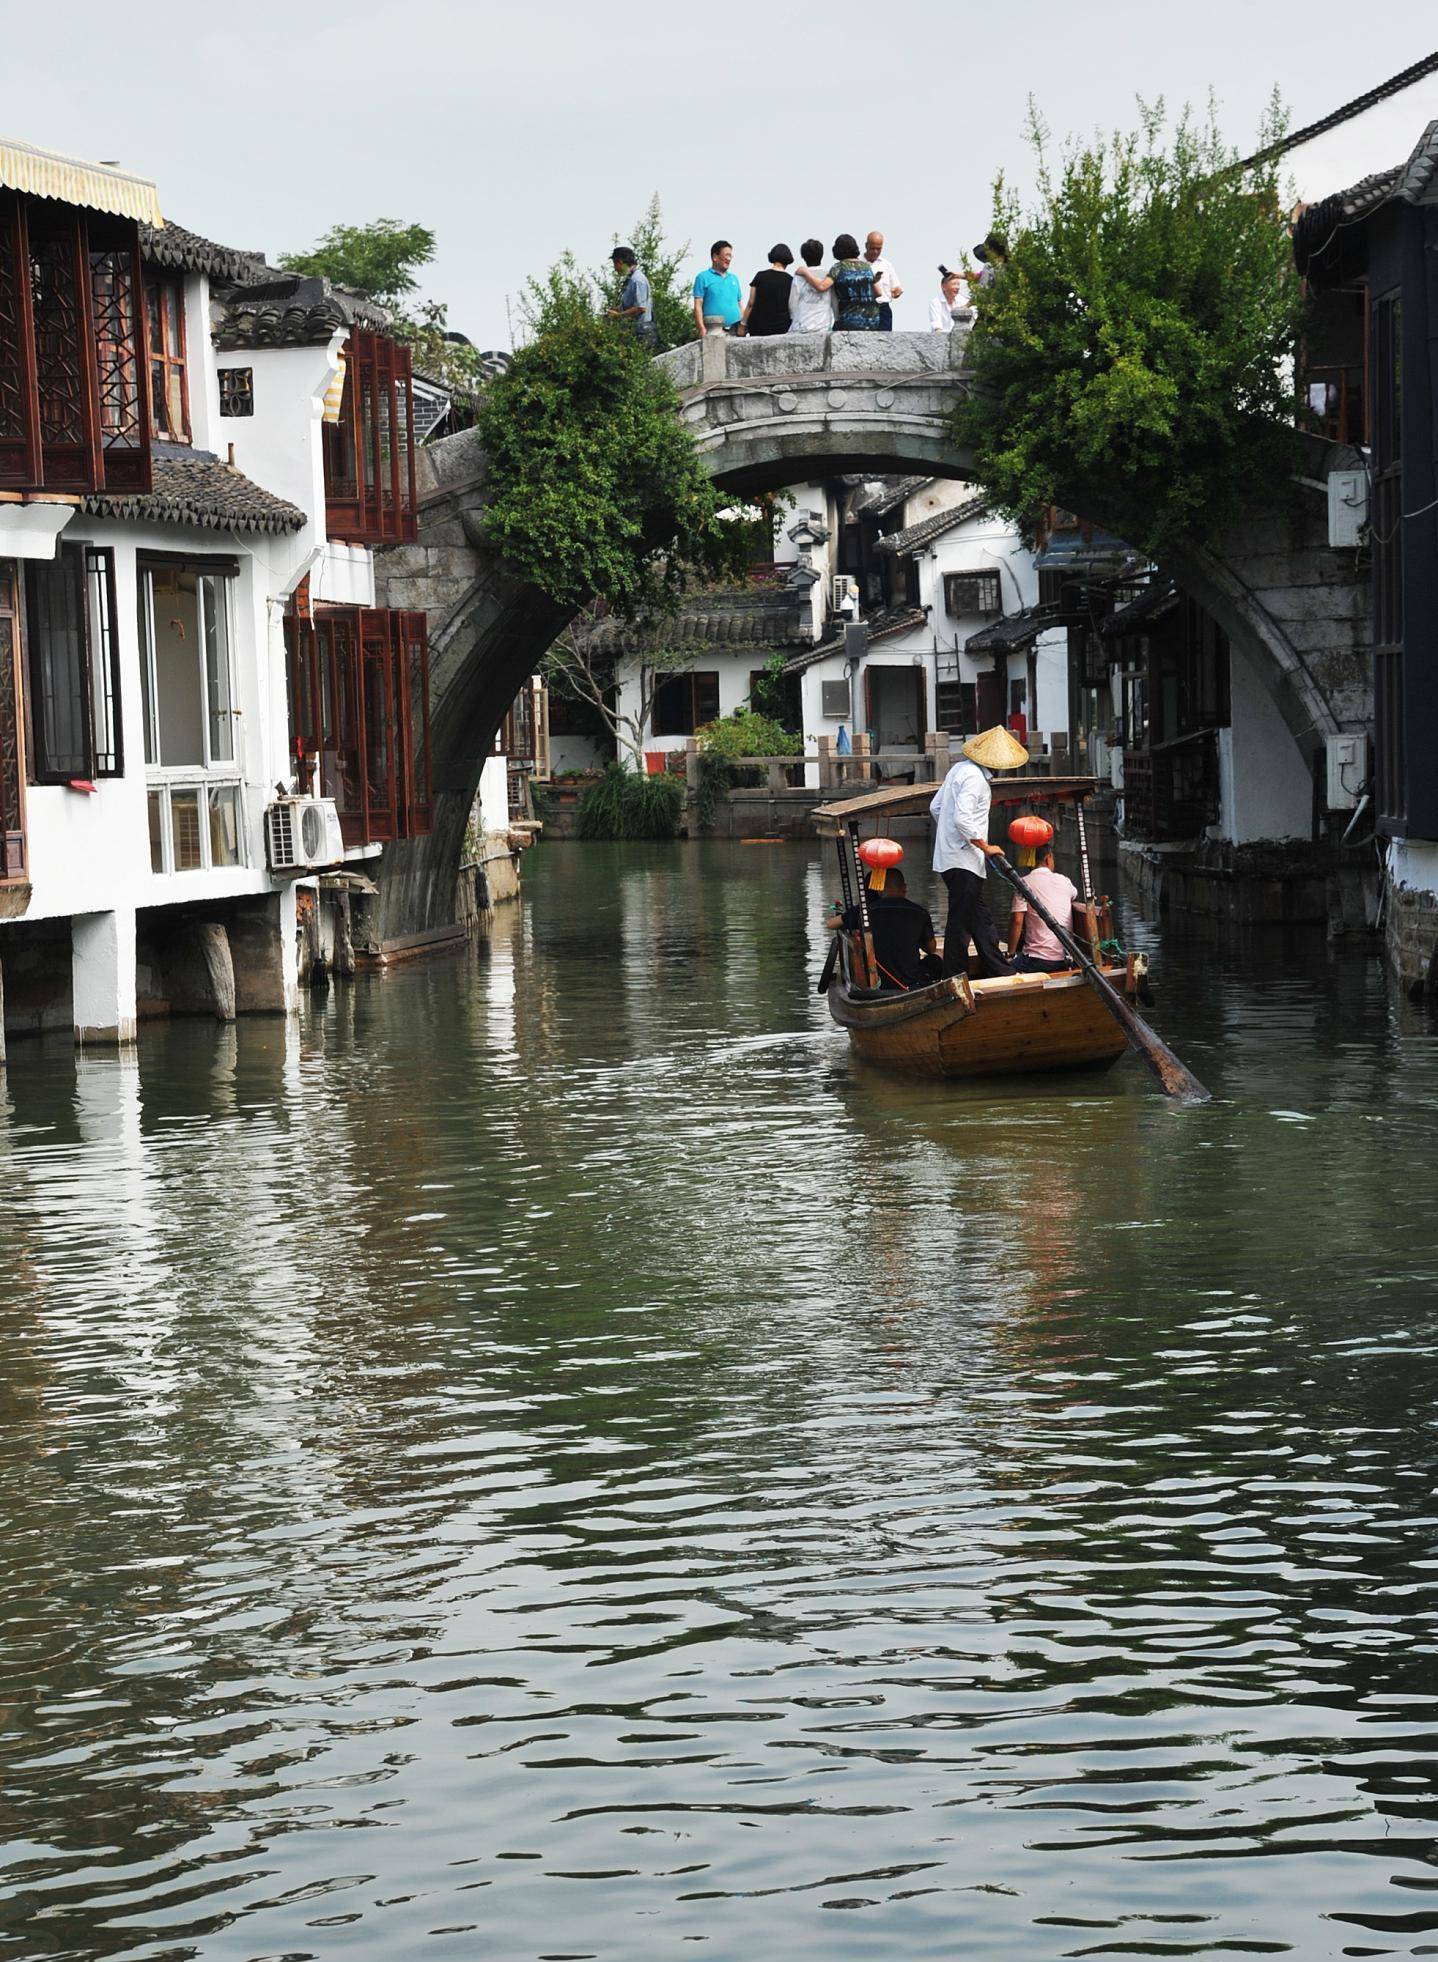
(636, 297)
(960, 811)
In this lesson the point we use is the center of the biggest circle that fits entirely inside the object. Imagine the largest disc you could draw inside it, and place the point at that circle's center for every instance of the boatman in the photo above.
(960, 811)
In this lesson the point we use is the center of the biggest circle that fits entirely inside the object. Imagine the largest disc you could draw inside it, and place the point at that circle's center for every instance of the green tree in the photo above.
(595, 486)
(567, 292)
(379, 258)
(1135, 355)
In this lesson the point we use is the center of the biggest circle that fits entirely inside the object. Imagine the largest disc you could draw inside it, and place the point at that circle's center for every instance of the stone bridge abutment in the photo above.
(766, 413)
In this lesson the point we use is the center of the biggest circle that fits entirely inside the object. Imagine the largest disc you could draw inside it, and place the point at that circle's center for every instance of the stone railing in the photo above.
(770, 358)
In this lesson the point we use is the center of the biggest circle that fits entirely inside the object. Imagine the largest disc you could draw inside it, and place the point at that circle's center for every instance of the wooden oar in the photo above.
(1175, 1077)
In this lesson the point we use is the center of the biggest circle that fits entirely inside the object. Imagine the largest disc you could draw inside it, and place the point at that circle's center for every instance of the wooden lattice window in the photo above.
(967, 594)
(237, 391)
(12, 731)
(72, 350)
(370, 451)
(359, 705)
(169, 383)
(73, 657)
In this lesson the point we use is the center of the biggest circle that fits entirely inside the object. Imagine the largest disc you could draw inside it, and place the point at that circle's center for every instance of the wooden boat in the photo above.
(961, 1026)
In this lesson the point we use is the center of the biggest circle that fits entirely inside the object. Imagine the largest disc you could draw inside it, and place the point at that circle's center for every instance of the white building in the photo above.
(197, 456)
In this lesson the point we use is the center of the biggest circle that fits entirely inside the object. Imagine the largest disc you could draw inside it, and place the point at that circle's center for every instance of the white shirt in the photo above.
(884, 279)
(941, 318)
(809, 312)
(960, 810)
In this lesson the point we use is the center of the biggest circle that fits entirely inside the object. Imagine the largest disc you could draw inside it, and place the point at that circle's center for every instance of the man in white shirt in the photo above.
(960, 810)
(1042, 952)
(886, 281)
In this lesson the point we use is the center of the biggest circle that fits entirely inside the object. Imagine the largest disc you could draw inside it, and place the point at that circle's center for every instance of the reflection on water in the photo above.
(549, 1457)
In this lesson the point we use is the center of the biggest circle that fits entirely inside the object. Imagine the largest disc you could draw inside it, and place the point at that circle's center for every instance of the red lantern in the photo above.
(1029, 833)
(879, 854)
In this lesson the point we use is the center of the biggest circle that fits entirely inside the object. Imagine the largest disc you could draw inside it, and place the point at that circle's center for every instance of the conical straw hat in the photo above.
(996, 749)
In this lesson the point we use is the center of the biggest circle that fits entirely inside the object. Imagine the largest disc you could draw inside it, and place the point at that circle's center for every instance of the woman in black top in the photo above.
(767, 311)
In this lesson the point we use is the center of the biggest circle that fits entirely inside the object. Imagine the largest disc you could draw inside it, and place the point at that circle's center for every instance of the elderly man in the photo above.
(636, 296)
(886, 281)
(960, 810)
(718, 296)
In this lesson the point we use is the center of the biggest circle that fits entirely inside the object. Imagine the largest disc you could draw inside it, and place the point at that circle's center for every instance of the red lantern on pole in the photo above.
(1029, 833)
(880, 854)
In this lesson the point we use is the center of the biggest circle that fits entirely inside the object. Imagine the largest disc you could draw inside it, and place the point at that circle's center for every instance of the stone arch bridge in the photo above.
(771, 412)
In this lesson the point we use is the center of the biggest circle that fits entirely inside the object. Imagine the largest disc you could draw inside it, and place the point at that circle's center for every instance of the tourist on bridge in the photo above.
(886, 281)
(767, 308)
(811, 308)
(1042, 952)
(851, 279)
(960, 810)
(950, 304)
(636, 297)
(718, 296)
(993, 256)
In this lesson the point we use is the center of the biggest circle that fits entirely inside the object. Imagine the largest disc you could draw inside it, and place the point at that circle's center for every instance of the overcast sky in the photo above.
(514, 131)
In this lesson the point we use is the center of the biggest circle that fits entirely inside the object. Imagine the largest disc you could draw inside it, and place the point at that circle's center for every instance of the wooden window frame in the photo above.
(343, 663)
(369, 454)
(163, 356)
(73, 422)
(13, 859)
(979, 577)
(686, 680)
(92, 579)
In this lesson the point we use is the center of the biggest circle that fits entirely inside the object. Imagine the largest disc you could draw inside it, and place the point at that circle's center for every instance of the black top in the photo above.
(770, 313)
(902, 931)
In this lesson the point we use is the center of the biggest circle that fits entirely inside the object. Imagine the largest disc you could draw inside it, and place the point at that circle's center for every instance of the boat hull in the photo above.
(1009, 1027)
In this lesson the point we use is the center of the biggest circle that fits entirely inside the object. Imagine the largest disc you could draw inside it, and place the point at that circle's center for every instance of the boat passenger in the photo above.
(960, 810)
(905, 947)
(1041, 952)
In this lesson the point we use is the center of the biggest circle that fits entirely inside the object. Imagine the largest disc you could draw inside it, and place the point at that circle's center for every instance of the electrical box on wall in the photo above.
(1347, 767)
(835, 698)
(1347, 506)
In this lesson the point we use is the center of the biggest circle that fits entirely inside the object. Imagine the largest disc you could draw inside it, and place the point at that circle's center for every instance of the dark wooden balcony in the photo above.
(1170, 792)
(369, 452)
(73, 350)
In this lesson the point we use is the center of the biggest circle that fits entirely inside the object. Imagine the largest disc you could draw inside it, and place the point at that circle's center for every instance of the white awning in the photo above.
(98, 187)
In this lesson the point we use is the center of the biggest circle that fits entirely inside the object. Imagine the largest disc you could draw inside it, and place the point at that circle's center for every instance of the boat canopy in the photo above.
(914, 799)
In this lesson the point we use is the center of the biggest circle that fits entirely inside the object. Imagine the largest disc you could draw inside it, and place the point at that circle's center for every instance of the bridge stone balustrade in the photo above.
(770, 412)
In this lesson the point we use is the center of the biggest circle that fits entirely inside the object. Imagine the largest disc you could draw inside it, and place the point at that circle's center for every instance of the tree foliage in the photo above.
(381, 260)
(568, 293)
(1136, 351)
(746, 732)
(595, 486)
(625, 805)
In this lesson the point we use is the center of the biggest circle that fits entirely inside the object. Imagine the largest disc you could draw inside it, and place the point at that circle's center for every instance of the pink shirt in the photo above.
(1058, 894)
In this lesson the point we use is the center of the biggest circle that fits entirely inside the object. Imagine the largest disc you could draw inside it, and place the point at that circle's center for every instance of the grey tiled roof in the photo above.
(1017, 631)
(915, 537)
(178, 250)
(885, 495)
(880, 626)
(289, 310)
(1317, 237)
(733, 617)
(1159, 597)
(1395, 85)
(199, 490)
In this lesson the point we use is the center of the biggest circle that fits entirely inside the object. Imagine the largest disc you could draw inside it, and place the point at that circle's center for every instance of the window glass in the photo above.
(219, 683)
(157, 830)
(185, 830)
(100, 624)
(59, 676)
(224, 825)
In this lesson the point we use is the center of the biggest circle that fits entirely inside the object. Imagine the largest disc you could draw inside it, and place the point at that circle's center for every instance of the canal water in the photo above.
(548, 1457)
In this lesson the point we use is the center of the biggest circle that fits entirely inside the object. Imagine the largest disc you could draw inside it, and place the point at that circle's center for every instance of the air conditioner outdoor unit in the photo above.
(301, 832)
(844, 593)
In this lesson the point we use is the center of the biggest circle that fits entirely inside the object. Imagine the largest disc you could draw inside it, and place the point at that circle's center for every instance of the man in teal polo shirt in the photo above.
(718, 296)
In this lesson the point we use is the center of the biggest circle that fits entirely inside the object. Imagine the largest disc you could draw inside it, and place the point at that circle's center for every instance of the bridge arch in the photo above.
(766, 413)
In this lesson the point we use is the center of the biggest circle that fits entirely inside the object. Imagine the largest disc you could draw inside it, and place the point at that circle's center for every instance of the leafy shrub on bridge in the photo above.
(594, 483)
(1134, 357)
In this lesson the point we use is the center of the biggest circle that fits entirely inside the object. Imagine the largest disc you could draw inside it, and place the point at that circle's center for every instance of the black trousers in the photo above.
(886, 317)
(969, 920)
